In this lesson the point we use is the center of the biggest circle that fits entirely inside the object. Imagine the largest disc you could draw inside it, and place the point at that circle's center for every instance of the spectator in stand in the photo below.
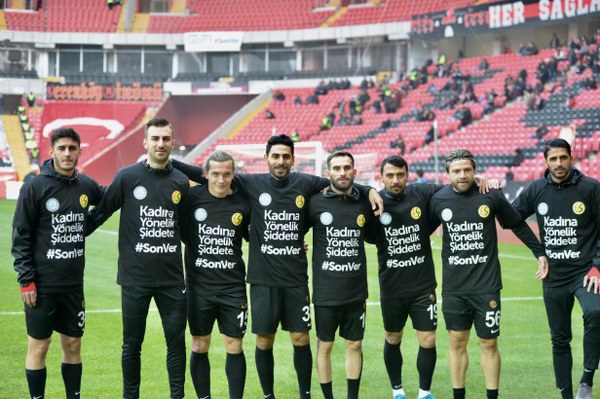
(518, 158)
(269, 114)
(31, 99)
(570, 101)
(463, 114)
(295, 136)
(421, 176)
(321, 89)
(555, 41)
(399, 144)
(590, 83)
(364, 97)
(429, 135)
(541, 131)
(484, 64)
(509, 176)
(297, 101)
(278, 96)
(110, 4)
(312, 99)
(376, 106)
(529, 49)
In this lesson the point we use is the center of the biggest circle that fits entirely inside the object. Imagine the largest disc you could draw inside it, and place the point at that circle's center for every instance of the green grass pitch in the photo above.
(524, 342)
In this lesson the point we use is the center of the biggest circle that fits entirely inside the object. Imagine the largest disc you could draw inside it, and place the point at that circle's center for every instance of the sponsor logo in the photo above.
(83, 200)
(493, 304)
(300, 201)
(176, 197)
(484, 211)
(361, 220)
(265, 199)
(495, 331)
(237, 219)
(385, 218)
(446, 214)
(416, 213)
(578, 208)
(326, 218)
(52, 205)
(542, 208)
(200, 214)
(139, 193)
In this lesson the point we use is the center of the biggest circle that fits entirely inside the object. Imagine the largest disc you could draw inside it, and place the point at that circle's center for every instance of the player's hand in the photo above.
(592, 280)
(29, 294)
(542, 270)
(376, 202)
(485, 184)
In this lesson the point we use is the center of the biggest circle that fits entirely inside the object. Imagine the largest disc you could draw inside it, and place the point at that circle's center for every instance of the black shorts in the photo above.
(269, 306)
(63, 312)
(229, 310)
(349, 318)
(460, 311)
(422, 310)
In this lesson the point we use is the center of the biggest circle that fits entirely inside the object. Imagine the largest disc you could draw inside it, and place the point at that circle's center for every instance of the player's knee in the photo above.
(71, 346)
(354, 346)
(265, 341)
(300, 338)
(591, 318)
(393, 338)
(38, 348)
(201, 344)
(427, 339)
(233, 346)
(324, 347)
(489, 346)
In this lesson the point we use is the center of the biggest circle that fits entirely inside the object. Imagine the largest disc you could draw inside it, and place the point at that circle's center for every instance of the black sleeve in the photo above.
(194, 173)
(23, 254)
(524, 233)
(523, 204)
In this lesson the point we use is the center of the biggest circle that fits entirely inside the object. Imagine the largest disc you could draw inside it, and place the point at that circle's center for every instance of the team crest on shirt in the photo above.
(326, 218)
(83, 303)
(265, 199)
(446, 214)
(578, 208)
(140, 192)
(385, 218)
(243, 306)
(416, 213)
(300, 201)
(237, 218)
(200, 214)
(360, 220)
(542, 208)
(493, 304)
(484, 211)
(52, 205)
(176, 197)
(83, 201)
(431, 298)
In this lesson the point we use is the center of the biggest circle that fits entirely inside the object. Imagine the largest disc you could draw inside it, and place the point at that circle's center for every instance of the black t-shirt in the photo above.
(406, 266)
(277, 227)
(212, 233)
(568, 216)
(340, 226)
(49, 229)
(152, 202)
(470, 241)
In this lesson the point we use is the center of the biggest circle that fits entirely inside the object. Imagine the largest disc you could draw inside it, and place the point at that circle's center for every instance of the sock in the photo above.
(426, 359)
(398, 391)
(303, 366)
(235, 369)
(459, 393)
(200, 371)
(71, 374)
(393, 363)
(566, 393)
(587, 377)
(265, 367)
(327, 390)
(36, 381)
(492, 393)
(353, 386)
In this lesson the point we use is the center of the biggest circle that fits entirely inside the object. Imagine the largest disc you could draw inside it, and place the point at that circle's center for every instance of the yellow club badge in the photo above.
(83, 201)
(237, 218)
(493, 304)
(416, 213)
(300, 201)
(484, 211)
(360, 220)
(176, 197)
(578, 208)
